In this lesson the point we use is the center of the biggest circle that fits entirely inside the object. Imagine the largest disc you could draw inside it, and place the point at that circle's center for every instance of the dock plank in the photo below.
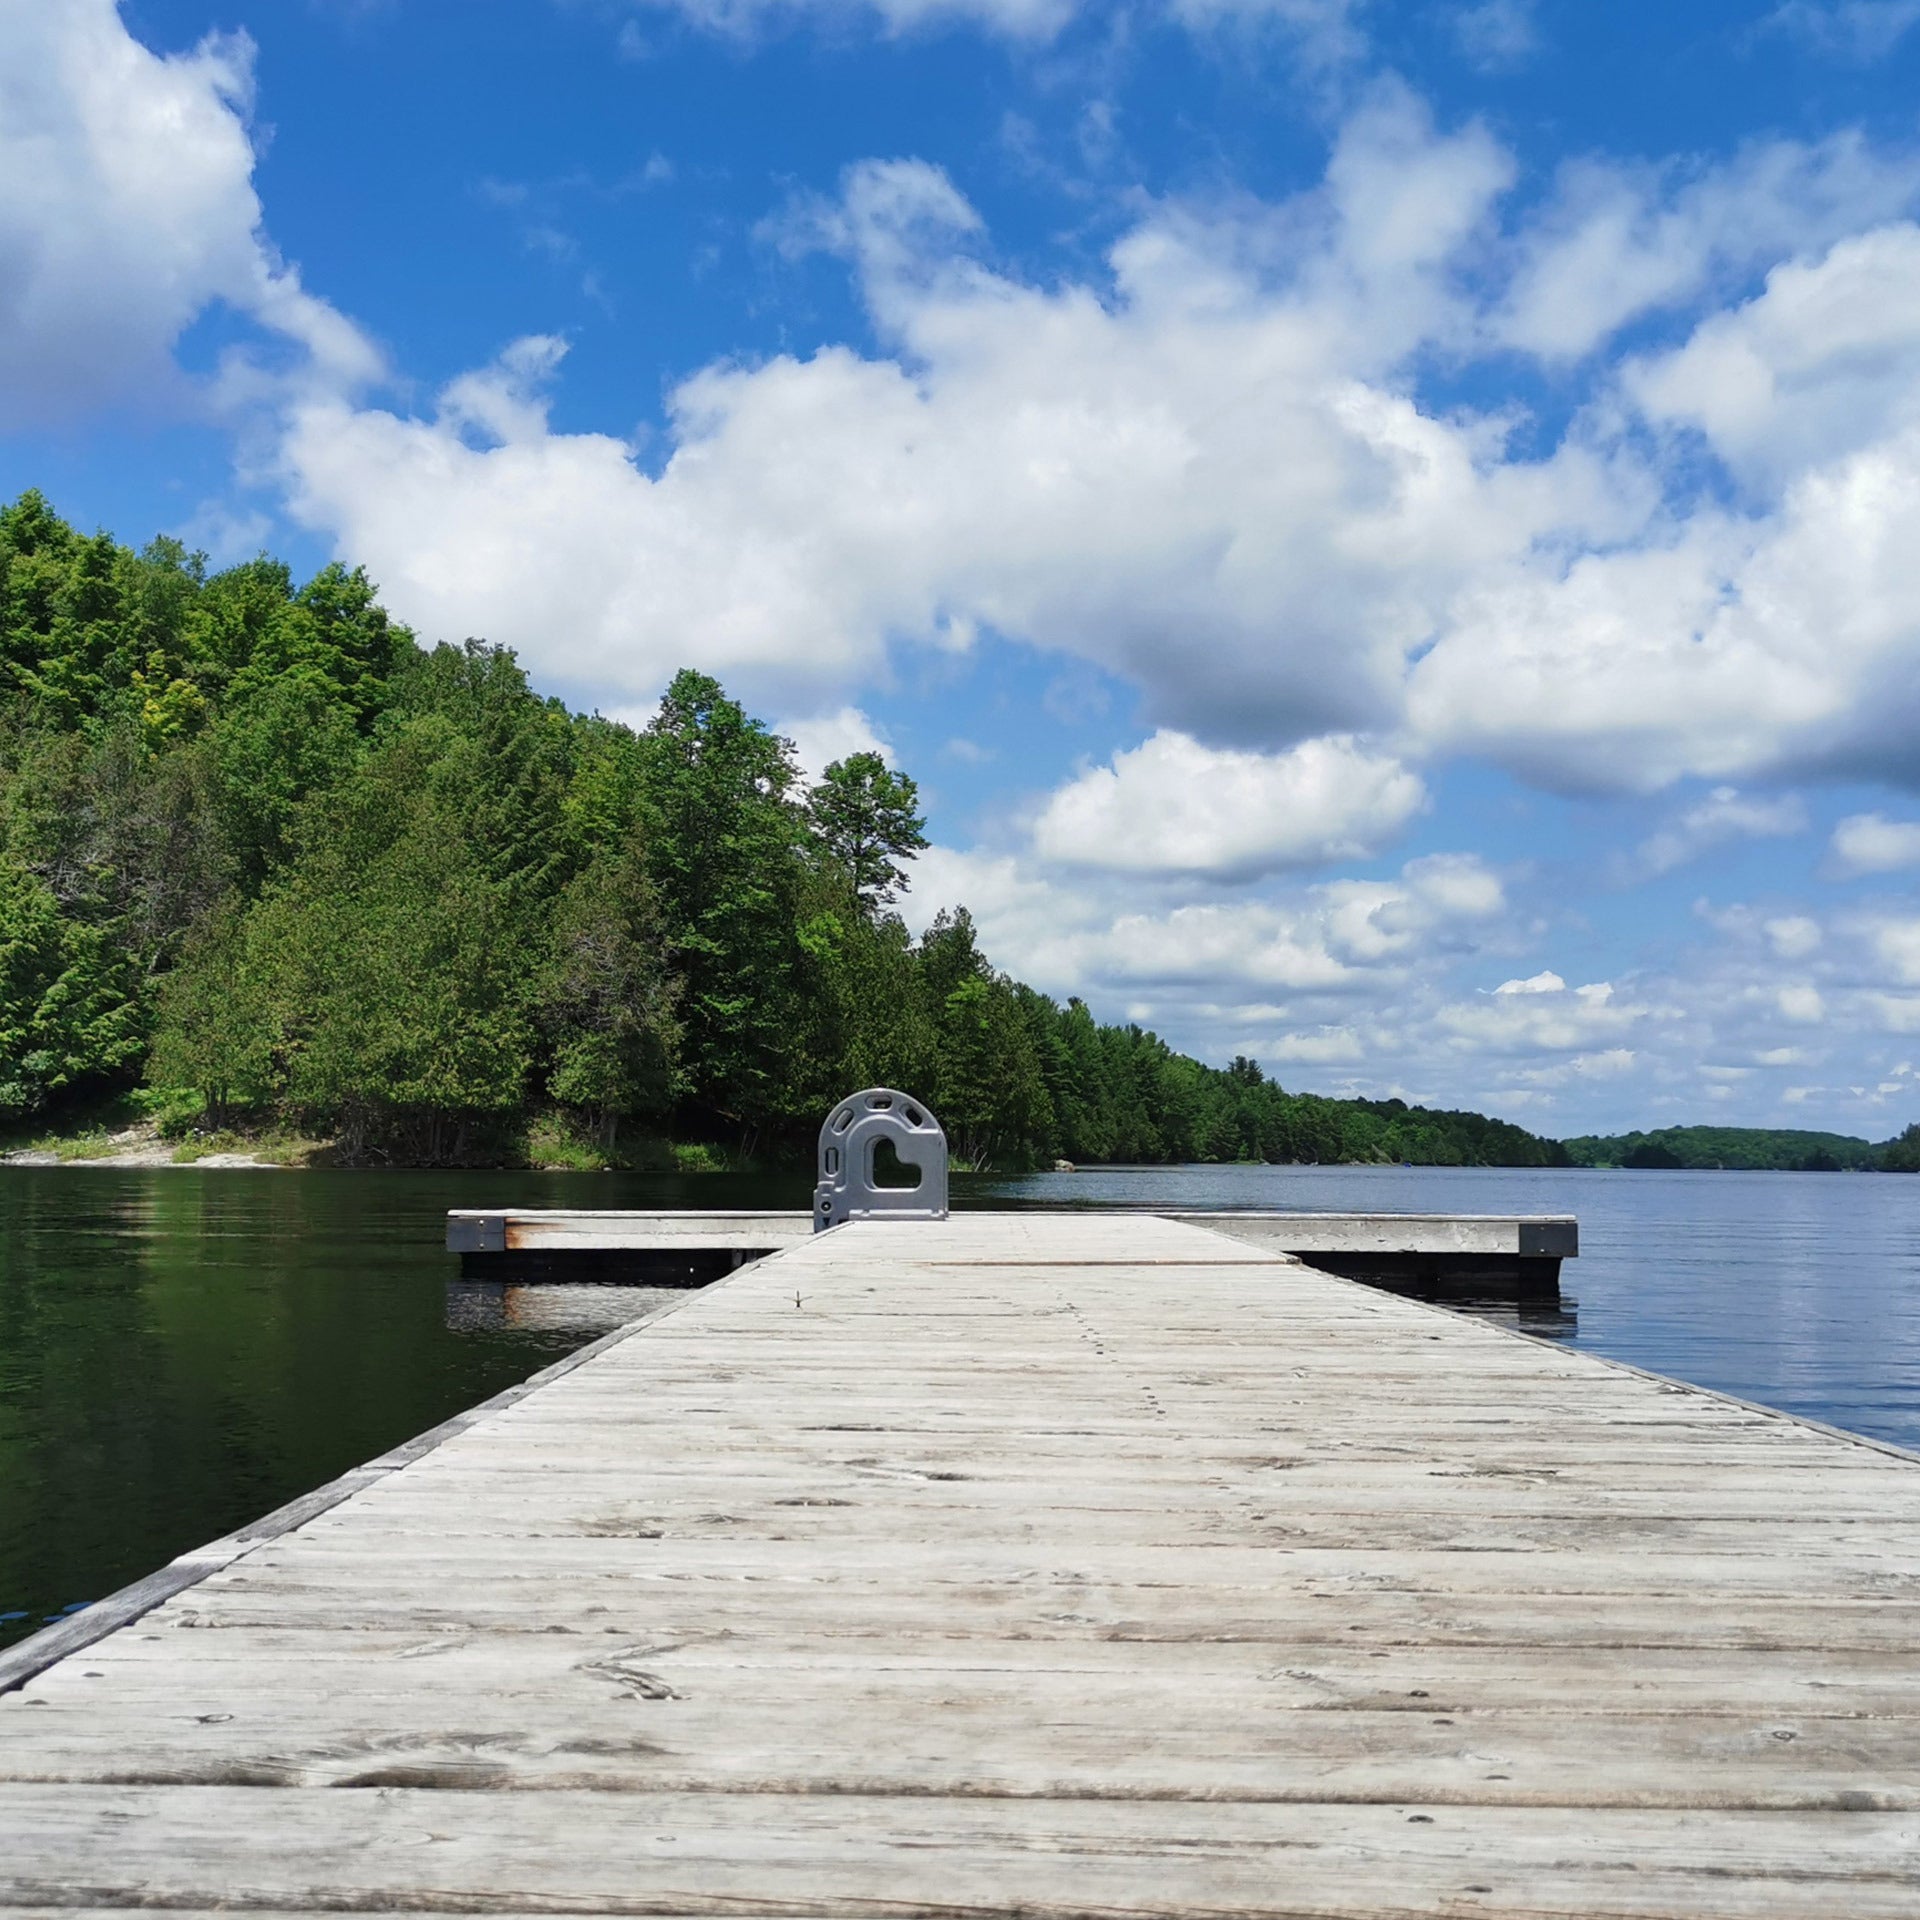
(1027, 1564)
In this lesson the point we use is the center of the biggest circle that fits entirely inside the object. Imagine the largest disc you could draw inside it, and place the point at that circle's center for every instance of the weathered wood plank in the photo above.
(411, 1850)
(1037, 1565)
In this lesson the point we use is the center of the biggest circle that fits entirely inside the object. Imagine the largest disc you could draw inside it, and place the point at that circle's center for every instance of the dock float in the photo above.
(1020, 1564)
(1438, 1254)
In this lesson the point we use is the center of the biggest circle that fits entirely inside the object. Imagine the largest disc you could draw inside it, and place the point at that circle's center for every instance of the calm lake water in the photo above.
(181, 1351)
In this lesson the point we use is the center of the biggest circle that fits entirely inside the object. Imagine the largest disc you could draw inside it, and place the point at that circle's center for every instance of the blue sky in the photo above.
(1386, 533)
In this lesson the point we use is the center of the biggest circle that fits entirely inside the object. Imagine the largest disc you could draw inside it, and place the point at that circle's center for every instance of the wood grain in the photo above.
(1024, 1564)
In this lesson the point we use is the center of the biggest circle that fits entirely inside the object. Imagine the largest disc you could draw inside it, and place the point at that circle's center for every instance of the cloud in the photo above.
(1871, 843)
(1529, 1017)
(822, 738)
(745, 19)
(1825, 362)
(1496, 34)
(1777, 639)
(1801, 1004)
(1399, 987)
(1725, 814)
(1615, 241)
(1793, 936)
(1091, 471)
(126, 210)
(1323, 31)
(1545, 982)
(1329, 1046)
(1174, 806)
(1334, 939)
(1853, 30)
(1089, 466)
(1896, 945)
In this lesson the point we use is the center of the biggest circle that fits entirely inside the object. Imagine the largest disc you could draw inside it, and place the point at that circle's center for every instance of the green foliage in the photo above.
(867, 818)
(379, 986)
(1902, 1155)
(69, 1019)
(1752, 1148)
(309, 879)
(605, 998)
(723, 839)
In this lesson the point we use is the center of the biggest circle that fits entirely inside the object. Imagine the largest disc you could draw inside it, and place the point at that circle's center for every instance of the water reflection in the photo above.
(588, 1309)
(1545, 1320)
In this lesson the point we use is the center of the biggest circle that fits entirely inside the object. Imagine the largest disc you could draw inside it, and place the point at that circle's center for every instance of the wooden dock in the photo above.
(1021, 1564)
(1519, 1252)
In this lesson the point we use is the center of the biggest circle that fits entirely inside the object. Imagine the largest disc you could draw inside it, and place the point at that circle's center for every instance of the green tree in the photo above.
(216, 1029)
(387, 975)
(723, 844)
(67, 1017)
(867, 817)
(1902, 1155)
(352, 883)
(605, 998)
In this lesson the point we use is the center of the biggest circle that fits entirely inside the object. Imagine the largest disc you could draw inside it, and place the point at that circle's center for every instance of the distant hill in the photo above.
(1757, 1148)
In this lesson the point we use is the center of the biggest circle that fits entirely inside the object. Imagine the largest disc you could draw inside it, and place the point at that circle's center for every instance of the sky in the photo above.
(1389, 535)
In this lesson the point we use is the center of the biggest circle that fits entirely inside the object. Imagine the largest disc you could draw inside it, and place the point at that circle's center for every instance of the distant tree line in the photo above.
(267, 858)
(1777, 1149)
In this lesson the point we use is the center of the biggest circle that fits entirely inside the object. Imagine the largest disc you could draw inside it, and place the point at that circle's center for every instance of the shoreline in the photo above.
(139, 1145)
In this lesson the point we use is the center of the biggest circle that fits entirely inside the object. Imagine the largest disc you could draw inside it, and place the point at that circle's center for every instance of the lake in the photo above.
(182, 1350)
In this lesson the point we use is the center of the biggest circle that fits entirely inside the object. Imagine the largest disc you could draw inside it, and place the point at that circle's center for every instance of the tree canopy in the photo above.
(262, 851)
(1780, 1149)
(867, 818)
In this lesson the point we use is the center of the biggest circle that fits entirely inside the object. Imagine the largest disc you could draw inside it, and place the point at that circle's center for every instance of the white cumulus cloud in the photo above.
(1546, 981)
(1174, 806)
(127, 208)
(1780, 639)
(1824, 362)
(1871, 843)
(1091, 470)
(1209, 474)
(819, 739)
(1793, 936)
(1542, 1015)
(1336, 938)
(1616, 241)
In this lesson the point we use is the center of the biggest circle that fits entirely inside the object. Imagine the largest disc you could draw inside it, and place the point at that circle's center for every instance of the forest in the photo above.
(1749, 1149)
(267, 863)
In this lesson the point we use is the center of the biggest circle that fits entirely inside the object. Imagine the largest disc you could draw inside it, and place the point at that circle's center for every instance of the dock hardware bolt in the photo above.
(848, 1189)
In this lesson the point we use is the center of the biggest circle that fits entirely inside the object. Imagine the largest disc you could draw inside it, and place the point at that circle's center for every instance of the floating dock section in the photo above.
(1438, 1256)
(1020, 1564)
